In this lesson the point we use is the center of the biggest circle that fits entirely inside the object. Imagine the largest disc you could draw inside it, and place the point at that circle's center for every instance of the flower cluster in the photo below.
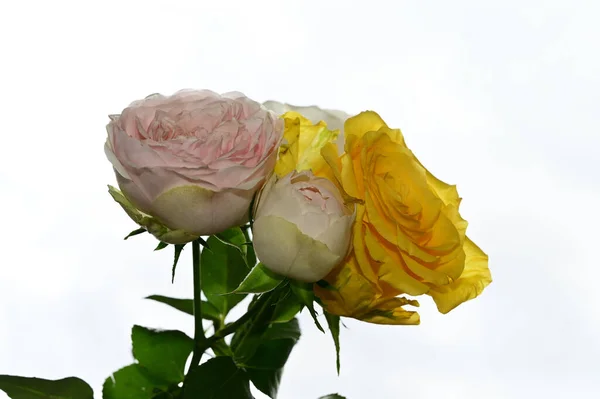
(335, 200)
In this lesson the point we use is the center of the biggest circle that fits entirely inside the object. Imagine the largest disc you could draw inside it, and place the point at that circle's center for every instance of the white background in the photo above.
(499, 97)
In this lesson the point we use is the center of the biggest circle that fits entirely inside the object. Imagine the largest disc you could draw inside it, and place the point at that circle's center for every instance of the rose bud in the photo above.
(302, 227)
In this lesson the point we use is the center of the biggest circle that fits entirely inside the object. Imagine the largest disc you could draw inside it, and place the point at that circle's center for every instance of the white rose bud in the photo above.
(302, 228)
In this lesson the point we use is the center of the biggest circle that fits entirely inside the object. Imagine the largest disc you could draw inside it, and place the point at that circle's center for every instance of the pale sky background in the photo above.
(499, 97)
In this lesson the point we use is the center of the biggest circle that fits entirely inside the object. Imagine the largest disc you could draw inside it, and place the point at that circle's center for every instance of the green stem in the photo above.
(233, 327)
(199, 337)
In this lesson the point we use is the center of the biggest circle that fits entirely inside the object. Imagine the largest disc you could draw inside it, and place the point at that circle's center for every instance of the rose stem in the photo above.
(199, 337)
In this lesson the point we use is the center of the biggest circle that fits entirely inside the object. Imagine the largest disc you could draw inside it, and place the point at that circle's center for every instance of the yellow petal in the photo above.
(351, 295)
(393, 274)
(395, 135)
(445, 192)
(288, 151)
(349, 292)
(391, 311)
(352, 185)
(474, 278)
(303, 144)
(330, 155)
(361, 124)
(365, 266)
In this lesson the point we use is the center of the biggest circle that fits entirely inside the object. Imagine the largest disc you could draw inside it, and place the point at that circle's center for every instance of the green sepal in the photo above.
(333, 396)
(304, 292)
(151, 224)
(178, 249)
(161, 245)
(333, 321)
(136, 232)
(259, 280)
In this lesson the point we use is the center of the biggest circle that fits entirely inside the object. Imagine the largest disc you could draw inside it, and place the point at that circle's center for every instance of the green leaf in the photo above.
(36, 388)
(239, 247)
(246, 248)
(133, 382)
(162, 353)
(286, 308)
(246, 339)
(220, 348)
(223, 269)
(333, 396)
(304, 292)
(265, 367)
(160, 246)
(218, 378)
(289, 330)
(259, 280)
(136, 232)
(334, 326)
(209, 312)
(178, 249)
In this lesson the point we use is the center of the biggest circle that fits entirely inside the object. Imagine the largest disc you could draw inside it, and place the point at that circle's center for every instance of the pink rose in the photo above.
(193, 160)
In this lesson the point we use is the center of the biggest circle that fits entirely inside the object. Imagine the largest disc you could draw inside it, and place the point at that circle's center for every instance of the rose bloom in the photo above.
(302, 227)
(195, 159)
(408, 237)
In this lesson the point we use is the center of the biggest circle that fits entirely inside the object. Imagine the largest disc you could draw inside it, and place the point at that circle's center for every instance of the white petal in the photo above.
(337, 236)
(201, 211)
(333, 118)
(112, 158)
(284, 249)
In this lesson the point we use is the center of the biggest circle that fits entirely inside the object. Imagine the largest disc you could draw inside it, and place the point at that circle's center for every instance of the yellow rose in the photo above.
(408, 237)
